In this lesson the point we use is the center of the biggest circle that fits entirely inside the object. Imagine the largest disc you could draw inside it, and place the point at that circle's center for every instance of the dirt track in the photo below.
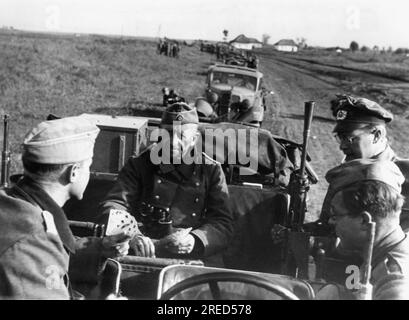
(295, 82)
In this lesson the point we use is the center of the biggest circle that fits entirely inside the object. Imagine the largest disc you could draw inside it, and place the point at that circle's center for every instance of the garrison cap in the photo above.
(353, 113)
(61, 141)
(358, 170)
(180, 112)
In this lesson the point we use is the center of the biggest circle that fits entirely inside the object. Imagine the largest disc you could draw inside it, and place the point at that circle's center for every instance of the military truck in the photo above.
(235, 93)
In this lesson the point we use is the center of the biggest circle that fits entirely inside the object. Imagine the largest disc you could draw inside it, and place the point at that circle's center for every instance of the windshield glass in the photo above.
(234, 79)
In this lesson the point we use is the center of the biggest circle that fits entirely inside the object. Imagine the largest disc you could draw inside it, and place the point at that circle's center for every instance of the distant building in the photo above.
(287, 45)
(244, 43)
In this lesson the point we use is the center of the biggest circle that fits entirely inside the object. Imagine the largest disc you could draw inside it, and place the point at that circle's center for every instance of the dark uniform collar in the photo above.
(30, 191)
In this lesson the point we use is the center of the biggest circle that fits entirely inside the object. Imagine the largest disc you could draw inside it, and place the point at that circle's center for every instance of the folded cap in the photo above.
(358, 170)
(353, 113)
(180, 112)
(66, 140)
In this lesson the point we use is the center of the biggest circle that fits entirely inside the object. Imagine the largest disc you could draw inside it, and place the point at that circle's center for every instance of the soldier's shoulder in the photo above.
(18, 219)
(396, 262)
(143, 157)
(390, 280)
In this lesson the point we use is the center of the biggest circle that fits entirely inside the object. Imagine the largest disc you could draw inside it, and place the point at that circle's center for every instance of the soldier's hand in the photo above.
(278, 233)
(181, 244)
(143, 246)
(115, 246)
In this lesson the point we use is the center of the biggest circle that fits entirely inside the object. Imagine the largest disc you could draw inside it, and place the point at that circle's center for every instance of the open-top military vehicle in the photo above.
(234, 94)
(272, 191)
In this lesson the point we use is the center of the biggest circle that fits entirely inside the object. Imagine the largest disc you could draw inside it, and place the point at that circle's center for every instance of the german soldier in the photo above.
(368, 190)
(37, 247)
(361, 133)
(172, 195)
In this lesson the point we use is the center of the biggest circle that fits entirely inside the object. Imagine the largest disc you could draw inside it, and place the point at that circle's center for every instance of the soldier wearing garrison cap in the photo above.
(37, 248)
(366, 190)
(361, 133)
(182, 205)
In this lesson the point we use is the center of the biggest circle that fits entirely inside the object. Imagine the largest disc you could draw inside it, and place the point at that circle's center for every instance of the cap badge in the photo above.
(342, 114)
(179, 117)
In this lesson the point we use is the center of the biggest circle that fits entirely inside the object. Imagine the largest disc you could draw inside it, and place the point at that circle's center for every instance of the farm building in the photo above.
(286, 45)
(244, 43)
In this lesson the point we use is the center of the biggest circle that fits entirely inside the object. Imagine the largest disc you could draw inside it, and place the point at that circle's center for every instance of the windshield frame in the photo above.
(252, 81)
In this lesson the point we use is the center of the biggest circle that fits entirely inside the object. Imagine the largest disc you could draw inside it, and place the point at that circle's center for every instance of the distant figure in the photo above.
(170, 96)
(159, 47)
(175, 50)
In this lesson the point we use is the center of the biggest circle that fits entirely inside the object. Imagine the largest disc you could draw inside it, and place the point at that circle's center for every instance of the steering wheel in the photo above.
(213, 278)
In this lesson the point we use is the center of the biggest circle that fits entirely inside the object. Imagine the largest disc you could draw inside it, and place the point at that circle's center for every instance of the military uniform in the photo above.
(390, 268)
(183, 195)
(37, 248)
(390, 254)
(352, 113)
(193, 195)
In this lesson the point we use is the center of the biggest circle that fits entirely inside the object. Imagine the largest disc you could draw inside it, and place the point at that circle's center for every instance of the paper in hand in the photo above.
(120, 221)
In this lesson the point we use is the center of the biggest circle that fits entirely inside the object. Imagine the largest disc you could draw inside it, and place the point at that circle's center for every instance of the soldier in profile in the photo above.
(37, 247)
(367, 190)
(182, 207)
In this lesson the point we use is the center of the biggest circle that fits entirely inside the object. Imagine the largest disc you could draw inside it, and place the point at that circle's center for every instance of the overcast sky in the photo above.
(321, 22)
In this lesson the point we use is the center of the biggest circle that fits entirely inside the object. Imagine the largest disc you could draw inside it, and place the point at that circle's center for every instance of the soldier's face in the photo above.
(182, 141)
(81, 179)
(357, 144)
(351, 230)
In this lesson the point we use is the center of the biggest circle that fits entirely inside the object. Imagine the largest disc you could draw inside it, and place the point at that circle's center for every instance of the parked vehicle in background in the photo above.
(236, 93)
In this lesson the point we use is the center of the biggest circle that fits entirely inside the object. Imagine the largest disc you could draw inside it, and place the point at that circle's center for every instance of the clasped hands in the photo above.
(179, 242)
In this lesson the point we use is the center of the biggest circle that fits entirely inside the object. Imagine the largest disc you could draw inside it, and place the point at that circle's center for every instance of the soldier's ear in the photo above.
(366, 219)
(73, 172)
(378, 134)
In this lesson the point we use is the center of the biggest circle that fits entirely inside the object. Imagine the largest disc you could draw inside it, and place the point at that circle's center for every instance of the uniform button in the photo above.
(193, 214)
(157, 197)
(197, 184)
(159, 181)
(196, 200)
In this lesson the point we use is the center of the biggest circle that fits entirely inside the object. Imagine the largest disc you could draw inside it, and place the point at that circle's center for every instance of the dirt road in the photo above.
(295, 82)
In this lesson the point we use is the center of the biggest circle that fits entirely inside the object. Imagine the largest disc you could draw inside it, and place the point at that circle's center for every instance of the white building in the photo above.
(243, 43)
(287, 45)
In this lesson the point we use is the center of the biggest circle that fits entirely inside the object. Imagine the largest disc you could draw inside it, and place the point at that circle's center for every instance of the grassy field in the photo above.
(42, 74)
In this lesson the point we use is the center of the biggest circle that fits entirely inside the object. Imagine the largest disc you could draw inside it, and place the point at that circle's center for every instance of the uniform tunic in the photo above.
(196, 196)
(390, 267)
(35, 247)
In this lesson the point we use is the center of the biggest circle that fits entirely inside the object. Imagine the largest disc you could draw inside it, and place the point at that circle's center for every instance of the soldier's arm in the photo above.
(33, 268)
(126, 191)
(217, 229)
(87, 263)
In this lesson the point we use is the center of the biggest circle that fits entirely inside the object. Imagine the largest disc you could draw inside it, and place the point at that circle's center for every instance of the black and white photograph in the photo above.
(201, 150)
